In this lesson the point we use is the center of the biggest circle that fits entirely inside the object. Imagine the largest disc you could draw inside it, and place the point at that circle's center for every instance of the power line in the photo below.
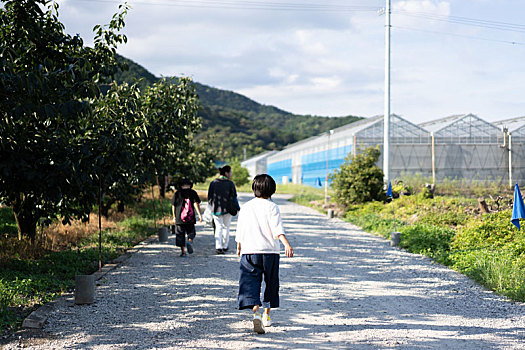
(461, 35)
(333, 7)
(505, 26)
(467, 19)
(249, 5)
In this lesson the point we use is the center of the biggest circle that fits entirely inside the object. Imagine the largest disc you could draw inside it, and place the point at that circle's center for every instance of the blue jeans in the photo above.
(255, 267)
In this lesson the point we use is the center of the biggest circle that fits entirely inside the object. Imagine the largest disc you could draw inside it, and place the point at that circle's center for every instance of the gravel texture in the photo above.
(344, 289)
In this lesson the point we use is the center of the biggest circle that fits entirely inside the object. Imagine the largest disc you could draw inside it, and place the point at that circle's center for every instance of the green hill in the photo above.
(234, 122)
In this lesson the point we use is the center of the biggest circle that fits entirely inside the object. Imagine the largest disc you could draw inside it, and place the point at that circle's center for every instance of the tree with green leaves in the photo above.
(241, 175)
(48, 80)
(112, 133)
(359, 179)
(167, 131)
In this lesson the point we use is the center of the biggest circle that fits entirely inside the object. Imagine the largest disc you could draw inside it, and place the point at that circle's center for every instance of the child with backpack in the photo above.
(259, 230)
(184, 204)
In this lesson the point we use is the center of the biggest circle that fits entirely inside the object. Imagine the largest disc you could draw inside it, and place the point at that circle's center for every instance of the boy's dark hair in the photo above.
(263, 186)
(185, 182)
(225, 169)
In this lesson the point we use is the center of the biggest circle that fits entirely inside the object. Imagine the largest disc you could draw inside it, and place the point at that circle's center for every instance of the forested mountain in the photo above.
(234, 122)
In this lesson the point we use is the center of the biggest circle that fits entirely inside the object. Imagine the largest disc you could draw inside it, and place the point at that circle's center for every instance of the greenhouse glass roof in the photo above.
(401, 131)
(519, 132)
(514, 125)
(466, 128)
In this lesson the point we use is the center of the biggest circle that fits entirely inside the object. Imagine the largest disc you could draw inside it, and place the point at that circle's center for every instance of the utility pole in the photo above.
(330, 133)
(386, 126)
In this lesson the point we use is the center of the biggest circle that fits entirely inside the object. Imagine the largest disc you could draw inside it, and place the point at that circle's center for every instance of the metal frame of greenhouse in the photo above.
(514, 130)
(456, 147)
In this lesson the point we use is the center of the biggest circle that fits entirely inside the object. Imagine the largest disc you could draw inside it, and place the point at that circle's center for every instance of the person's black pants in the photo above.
(180, 234)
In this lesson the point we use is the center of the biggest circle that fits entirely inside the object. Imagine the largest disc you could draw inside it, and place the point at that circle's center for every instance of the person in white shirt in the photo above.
(259, 230)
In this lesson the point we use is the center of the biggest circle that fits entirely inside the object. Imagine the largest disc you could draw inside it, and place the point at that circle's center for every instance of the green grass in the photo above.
(26, 284)
(303, 194)
(7, 222)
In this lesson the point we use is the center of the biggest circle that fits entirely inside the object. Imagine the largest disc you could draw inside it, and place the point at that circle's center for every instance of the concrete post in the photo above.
(84, 289)
(330, 213)
(395, 239)
(163, 234)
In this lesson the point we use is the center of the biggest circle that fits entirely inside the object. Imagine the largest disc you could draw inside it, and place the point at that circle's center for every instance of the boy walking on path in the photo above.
(259, 230)
(184, 204)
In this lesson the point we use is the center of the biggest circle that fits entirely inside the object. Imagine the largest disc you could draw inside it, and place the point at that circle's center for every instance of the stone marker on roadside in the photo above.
(163, 234)
(395, 238)
(84, 289)
(330, 213)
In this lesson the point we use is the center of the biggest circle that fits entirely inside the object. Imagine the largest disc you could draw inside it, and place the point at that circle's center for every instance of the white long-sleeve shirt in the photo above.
(259, 226)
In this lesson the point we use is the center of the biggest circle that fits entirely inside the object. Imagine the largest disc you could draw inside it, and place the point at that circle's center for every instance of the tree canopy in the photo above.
(359, 179)
(62, 141)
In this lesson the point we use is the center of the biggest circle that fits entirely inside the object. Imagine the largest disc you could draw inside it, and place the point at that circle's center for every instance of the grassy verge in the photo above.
(32, 276)
(450, 229)
(302, 194)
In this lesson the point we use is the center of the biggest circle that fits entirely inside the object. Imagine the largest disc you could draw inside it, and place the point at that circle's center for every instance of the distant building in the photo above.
(307, 160)
(257, 165)
(456, 147)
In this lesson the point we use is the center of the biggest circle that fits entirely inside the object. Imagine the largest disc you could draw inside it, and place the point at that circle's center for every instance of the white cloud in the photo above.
(427, 14)
(329, 63)
(427, 6)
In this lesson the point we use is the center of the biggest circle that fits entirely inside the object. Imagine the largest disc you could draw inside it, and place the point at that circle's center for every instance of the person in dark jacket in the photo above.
(184, 205)
(222, 196)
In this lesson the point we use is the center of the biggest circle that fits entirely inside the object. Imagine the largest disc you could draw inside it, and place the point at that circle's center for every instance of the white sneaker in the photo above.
(267, 322)
(258, 323)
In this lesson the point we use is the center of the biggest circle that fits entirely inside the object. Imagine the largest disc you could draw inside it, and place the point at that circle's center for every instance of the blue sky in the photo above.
(327, 57)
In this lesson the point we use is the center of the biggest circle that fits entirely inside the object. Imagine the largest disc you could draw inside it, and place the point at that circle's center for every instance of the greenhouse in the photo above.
(257, 165)
(456, 147)
(467, 147)
(309, 161)
(515, 130)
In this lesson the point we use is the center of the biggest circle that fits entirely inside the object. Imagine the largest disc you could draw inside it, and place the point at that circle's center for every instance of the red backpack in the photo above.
(187, 214)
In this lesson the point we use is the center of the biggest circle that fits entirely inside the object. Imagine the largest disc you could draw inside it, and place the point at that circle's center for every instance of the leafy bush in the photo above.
(447, 218)
(491, 251)
(359, 179)
(489, 231)
(430, 240)
(240, 176)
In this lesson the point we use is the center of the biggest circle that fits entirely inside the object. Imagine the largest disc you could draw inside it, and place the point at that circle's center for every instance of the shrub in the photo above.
(447, 218)
(359, 179)
(489, 231)
(430, 240)
(240, 176)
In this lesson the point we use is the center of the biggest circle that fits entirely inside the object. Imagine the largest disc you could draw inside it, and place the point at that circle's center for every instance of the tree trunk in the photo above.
(121, 206)
(154, 209)
(483, 207)
(105, 207)
(26, 223)
(162, 186)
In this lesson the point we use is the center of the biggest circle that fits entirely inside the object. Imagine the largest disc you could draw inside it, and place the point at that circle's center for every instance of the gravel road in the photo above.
(344, 289)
